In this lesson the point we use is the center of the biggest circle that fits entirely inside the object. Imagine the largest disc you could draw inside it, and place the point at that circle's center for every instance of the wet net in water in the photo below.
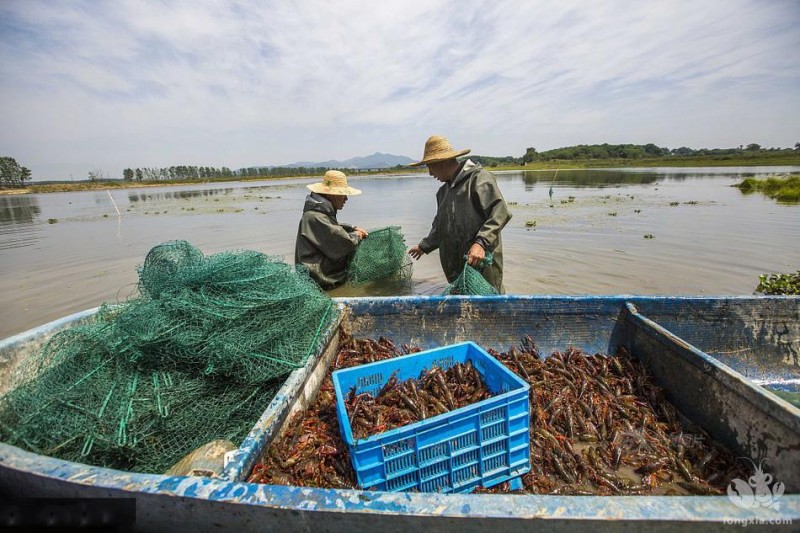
(196, 356)
(471, 281)
(382, 255)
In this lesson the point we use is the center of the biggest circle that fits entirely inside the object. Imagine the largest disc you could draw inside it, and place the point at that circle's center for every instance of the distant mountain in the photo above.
(376, 160)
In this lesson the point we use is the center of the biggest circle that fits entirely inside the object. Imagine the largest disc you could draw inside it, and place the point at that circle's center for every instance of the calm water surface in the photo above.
(65, 252)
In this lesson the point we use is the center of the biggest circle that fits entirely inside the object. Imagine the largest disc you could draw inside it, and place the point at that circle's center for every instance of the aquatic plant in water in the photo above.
(779, 283)
(784, 189)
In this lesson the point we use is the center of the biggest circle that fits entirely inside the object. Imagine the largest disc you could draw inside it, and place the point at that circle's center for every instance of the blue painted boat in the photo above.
(710, 354)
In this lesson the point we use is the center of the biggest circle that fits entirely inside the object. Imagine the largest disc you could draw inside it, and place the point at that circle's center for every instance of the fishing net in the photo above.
(471, 282)
(382, 255)
(197, 356)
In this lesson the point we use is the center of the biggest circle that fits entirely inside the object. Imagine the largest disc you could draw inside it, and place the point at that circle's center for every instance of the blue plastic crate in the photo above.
(484, 444)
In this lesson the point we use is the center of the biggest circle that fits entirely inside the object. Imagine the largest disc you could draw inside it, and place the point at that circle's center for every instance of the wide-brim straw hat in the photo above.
(438, 148)
(333, 182)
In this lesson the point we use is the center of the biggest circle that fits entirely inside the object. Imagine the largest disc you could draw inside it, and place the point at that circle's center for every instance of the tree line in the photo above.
(626, 151)
(177, 173)
(281, 172)
(12, 174)
(191, 173)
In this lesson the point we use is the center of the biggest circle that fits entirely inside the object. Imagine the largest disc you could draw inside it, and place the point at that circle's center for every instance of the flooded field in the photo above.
(631, 231)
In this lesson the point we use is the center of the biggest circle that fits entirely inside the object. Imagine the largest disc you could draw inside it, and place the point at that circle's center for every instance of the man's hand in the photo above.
(416, 252)
(361, 233)
(475, 255)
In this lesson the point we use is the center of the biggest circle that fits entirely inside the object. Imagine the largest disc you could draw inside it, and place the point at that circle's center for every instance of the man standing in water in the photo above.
(470, 215)
(324, 246)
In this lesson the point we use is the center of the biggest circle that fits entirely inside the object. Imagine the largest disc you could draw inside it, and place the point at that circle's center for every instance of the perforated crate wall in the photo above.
(485, 443)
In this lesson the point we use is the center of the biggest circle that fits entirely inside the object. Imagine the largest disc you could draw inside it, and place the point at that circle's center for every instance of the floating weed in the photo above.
(673, 204)
(637, 210)
(788, 195)
(784, 189)
(691, 202)
(779, 283)
(612, 214)
(52, 220)
(649, 236)
(530, 223)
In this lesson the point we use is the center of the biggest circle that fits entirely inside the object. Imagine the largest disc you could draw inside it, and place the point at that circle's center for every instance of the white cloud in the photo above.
(145, 83)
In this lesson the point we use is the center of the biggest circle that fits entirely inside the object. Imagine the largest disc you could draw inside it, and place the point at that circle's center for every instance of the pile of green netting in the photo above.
(197, 356)
(471, 282)
(382, 255)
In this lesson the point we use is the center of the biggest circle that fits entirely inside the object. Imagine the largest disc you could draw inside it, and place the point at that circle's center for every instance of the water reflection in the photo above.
(22, 209)
(18, 218)
(159, 196)
(585, 178)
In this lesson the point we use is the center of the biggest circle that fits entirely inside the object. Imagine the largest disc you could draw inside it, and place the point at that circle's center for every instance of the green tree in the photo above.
(97, 175)
(127, 174)
(12, 174)
(530, 155)
(753, 147)
(653, 150)
(683, 151)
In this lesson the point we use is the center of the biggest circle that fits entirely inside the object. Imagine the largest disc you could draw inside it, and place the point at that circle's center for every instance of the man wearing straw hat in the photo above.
(324, 246)
(470, 215)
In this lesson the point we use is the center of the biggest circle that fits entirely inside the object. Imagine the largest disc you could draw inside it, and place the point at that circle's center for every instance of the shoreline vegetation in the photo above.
(579, 157)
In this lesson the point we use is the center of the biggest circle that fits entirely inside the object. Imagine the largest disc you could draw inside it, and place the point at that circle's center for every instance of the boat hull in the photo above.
(676, 337)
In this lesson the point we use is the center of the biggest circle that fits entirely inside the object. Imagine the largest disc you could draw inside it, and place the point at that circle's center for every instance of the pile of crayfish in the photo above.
(599, 425)
(310, 451)
(397, 404)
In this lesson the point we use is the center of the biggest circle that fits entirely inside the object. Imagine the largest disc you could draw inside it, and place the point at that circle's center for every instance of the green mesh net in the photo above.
(471, 282)
(197, 356)
(382, 255)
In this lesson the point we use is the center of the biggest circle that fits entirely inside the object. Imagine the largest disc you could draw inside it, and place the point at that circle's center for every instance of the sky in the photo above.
(102, 86)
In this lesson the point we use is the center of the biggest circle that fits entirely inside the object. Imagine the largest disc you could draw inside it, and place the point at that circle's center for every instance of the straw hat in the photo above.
(438, 148)
(333, 182)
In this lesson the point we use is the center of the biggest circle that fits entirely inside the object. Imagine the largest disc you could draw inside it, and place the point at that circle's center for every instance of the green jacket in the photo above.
(470, 208)
(324, 246)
